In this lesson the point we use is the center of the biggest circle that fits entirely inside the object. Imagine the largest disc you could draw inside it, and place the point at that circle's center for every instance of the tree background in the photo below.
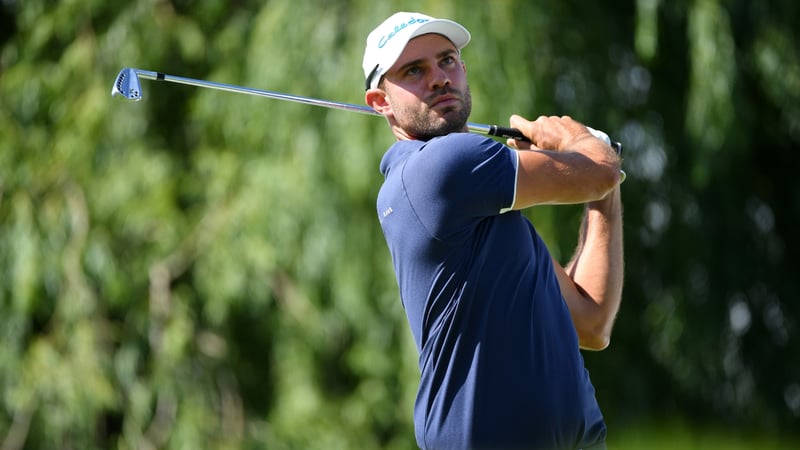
(205, 269)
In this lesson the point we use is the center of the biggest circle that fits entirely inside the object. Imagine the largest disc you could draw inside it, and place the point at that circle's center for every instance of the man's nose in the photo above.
(439, 78)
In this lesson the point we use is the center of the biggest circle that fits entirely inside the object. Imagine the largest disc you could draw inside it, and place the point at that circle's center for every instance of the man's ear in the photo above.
(376, 98)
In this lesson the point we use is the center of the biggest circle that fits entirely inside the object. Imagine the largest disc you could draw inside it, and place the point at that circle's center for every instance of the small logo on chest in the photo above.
(386, 213)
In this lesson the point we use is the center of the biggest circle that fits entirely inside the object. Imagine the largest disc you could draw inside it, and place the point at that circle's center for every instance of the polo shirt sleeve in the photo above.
(459, 179)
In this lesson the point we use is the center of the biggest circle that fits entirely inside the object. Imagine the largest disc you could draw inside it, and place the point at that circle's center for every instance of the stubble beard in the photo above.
(427, 123)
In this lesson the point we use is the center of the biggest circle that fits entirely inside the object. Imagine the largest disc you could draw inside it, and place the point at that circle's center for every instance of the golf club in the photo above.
(127, 85)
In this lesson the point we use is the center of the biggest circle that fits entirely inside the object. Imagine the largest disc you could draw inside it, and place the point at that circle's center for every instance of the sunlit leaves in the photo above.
(646, 37)
(710, 110)
(775, 60)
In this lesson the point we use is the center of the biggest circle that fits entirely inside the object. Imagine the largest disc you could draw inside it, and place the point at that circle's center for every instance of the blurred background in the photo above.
(205, 269)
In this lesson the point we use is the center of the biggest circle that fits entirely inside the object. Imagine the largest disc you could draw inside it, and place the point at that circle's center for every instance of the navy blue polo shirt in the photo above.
(498, 353)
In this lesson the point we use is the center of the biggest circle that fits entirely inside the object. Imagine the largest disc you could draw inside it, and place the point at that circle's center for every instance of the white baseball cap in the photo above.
(386, 42)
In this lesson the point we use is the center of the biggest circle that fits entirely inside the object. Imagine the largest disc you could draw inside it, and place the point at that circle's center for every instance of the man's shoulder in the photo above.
(467, 148)
(451, 140)
(462, 140)
(455, 154)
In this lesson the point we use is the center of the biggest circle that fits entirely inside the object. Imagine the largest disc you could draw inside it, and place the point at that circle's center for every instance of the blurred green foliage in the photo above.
(205, 270)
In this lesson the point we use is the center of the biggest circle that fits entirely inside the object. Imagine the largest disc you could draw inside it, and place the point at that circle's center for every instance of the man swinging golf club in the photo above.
(497, 321)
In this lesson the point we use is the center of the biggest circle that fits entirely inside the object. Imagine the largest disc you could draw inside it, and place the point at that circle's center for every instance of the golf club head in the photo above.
(127, 85)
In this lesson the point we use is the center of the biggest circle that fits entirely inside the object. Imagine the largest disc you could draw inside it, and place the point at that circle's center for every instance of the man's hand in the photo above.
(565, 162)
(548, 133)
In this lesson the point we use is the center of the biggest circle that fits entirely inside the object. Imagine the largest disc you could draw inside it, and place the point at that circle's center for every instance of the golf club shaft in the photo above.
(492, 130)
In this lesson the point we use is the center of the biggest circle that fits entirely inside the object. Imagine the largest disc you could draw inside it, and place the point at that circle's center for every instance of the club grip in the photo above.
(507, 132)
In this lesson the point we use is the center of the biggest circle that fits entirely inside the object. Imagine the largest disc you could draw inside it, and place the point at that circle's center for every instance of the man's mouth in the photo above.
(447, 100)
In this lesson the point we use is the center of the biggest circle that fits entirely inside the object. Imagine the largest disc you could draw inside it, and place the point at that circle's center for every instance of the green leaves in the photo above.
(204, 269)
(710, 110)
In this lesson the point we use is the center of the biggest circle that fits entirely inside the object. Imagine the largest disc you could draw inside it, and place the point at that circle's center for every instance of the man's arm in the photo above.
(592, 281)
(564, 163)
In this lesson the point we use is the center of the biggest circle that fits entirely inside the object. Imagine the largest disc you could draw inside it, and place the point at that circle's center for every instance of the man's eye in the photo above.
(413, 71)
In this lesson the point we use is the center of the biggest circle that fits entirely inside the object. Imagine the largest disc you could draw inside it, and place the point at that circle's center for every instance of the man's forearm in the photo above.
(598, 266)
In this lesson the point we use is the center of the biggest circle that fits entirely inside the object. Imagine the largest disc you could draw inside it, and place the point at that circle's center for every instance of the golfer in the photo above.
(497, 321)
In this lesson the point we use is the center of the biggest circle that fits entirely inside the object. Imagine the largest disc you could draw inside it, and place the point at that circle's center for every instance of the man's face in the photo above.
(427, 88)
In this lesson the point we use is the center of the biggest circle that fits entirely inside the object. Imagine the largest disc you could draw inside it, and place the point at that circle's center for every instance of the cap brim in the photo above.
(457, 34)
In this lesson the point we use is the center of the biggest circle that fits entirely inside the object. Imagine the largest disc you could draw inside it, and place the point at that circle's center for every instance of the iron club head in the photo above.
(127, 85)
